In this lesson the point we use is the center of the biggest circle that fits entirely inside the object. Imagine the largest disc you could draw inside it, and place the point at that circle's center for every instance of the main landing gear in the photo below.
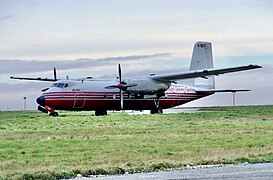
(157, 109)
(101, 112)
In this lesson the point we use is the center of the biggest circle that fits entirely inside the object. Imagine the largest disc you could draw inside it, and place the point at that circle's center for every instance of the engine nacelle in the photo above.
(147, 86)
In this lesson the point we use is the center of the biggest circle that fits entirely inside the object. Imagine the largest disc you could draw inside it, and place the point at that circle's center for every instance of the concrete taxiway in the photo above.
(243, 172)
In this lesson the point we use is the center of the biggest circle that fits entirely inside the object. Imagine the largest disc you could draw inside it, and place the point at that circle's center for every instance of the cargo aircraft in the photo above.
(154, 92)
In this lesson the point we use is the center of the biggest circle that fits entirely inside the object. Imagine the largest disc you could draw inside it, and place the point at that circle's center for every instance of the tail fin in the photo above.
(202, 59)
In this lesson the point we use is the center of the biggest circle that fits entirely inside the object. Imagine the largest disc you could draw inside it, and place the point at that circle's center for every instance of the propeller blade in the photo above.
(120, 86)
(45, 89)
(119, 73)
(55, 74)
(111, 87)
(130, 85)
(121, 99)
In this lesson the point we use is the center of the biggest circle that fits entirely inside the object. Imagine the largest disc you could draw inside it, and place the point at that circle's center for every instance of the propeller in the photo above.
(55, 74)
(55, 79)
(122, 86)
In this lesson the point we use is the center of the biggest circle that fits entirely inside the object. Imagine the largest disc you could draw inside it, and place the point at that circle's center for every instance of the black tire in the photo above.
(101, 112)
(160, 111)
(156, 111)
(105, 112)
(97, 113)
(153, 111)
(54, 114)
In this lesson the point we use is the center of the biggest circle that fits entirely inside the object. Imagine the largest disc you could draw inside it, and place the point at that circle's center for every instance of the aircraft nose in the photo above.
(41, 100)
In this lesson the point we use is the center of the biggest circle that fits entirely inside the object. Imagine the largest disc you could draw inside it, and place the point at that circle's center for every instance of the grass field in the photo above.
(34, 145)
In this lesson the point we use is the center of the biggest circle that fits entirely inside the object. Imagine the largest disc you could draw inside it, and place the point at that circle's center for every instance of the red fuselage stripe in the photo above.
(111, 100)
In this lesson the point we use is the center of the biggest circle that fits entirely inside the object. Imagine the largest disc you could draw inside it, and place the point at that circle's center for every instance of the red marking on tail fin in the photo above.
(202, 45)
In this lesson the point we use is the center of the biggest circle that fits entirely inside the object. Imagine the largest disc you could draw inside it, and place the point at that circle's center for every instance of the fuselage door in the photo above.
(79, 99)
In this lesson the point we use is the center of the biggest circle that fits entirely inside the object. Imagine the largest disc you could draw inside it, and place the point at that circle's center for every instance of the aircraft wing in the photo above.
(201, 73)
(39, 78)
(34, 79)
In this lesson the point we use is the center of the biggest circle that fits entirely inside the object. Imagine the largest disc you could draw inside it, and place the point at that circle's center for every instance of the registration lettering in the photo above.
(76, 90)
(202, 45)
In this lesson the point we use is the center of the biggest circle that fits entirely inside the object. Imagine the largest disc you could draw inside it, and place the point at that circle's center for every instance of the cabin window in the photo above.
(66, 85)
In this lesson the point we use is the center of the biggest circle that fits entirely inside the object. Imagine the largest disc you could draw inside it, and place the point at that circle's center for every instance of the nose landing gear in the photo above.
(47, 109)
(54, 114)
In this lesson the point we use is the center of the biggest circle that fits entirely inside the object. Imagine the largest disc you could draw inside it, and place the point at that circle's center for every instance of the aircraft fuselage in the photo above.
(92, 95)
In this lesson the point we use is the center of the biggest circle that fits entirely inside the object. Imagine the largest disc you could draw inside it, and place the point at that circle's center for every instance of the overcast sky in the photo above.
(89, 38)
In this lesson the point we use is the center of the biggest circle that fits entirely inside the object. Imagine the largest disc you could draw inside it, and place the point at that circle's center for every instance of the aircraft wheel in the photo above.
(153, 111)
(160, 111)
(104, 112)
(54, 114)
(156, 111)
(101, 112)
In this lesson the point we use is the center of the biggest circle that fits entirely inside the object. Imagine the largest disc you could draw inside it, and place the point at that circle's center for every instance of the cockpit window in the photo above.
(59, 85)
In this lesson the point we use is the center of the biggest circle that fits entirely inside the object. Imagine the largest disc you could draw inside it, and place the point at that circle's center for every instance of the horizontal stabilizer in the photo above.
(222, 90)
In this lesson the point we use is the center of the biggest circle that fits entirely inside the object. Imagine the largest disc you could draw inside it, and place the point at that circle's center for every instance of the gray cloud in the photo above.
(14, 93)
(260, 82)
(138, 73)
(28, 66)
(7, 88)
(5, 17)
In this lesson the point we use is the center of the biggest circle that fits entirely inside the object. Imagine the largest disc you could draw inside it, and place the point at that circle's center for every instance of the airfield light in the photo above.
(25, 103)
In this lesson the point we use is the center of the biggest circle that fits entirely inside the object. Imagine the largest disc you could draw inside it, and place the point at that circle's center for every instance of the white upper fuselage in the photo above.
(143, 86)
(90, 94)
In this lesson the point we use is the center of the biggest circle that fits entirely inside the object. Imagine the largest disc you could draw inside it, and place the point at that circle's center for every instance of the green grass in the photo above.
(36, 146)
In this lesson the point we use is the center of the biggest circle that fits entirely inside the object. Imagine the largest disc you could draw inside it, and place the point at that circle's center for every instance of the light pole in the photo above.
(25, 103)
(233, 98)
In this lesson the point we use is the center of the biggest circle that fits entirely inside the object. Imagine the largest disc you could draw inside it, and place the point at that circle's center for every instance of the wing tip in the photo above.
(254, 66)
